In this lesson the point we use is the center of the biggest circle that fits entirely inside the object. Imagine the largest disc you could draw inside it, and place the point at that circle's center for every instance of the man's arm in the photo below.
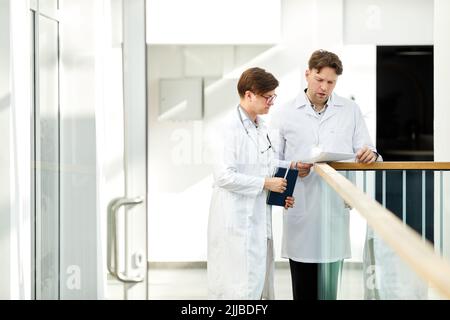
(362, 143)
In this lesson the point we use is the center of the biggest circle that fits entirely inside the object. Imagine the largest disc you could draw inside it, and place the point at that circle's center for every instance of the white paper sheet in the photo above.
(330, 156)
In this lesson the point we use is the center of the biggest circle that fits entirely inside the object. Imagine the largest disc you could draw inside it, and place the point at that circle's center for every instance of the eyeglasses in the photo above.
(269, 99)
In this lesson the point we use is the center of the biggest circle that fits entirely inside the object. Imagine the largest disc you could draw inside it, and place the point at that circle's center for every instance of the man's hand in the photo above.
(303, 169)
(275, 184)
(289, 203)
(365, 155)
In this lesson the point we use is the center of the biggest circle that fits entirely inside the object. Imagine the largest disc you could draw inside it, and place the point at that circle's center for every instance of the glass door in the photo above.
(127, 230)
(89, 149)
(45, 30)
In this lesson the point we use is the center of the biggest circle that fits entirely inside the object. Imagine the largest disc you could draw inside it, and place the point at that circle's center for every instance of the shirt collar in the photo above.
(302, 100)
(248, 123)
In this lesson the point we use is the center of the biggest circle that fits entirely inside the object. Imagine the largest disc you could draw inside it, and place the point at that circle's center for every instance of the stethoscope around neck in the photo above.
(248, 133)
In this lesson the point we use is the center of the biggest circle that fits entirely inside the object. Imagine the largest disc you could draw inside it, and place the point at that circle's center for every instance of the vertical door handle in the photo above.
(113, 243)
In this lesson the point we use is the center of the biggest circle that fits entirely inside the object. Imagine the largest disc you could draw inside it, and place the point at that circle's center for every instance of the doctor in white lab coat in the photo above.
(240, 254)
(316, 240)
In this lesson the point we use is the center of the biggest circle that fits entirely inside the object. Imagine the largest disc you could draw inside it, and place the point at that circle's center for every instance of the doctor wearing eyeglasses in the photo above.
(240, 249)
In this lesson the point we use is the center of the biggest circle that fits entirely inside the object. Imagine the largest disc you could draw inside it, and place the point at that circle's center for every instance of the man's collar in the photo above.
(302, 100)
(247, 121)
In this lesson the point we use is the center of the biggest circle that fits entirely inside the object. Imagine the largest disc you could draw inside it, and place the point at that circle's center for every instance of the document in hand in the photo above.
(276, 198)
(329, 156)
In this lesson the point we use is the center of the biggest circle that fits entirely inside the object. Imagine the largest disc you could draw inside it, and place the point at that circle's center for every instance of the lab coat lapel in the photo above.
(334, 106)
(331, 111)
(309, 111)
(303, 104)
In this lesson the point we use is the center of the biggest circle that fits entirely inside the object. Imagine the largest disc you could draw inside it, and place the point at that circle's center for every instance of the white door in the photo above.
(89, 150)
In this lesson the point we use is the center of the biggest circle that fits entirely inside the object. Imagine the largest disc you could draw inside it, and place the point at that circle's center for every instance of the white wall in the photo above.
(21, 220)
(442, 107)
(441, 80)
(5, 165)
(207, 21)
(15, 135)
(387, 22)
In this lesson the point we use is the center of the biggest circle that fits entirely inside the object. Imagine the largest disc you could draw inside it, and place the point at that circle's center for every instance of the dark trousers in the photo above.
(315, 281)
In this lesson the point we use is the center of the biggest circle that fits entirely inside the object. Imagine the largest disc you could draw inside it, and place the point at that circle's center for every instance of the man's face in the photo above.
(262, 102)
(321, 84)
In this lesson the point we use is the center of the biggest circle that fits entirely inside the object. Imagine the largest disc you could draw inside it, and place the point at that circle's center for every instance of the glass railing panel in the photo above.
(409, 194)
(374, 270)
(442, 213)
(388, 277)
(342, 236)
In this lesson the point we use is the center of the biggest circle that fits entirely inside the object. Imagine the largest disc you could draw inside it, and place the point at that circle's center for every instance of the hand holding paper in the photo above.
(366, 155)
(318, 155)
(303, 169)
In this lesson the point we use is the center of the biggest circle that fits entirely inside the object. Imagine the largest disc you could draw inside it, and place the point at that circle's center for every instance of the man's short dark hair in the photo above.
(322, 58)
(256, 80)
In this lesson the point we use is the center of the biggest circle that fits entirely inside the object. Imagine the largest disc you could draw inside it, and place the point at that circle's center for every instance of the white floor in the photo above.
(191, 284)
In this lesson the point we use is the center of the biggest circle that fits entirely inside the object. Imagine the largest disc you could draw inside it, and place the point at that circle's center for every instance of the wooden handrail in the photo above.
(418, 253)
(391, 165)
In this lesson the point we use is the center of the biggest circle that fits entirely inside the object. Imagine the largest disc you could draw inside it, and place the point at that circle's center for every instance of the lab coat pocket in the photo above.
(342, 140)
(238, 215)
(342, 128)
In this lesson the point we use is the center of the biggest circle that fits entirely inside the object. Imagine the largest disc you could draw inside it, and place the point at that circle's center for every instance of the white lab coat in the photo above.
(317, 228)
(239, 226)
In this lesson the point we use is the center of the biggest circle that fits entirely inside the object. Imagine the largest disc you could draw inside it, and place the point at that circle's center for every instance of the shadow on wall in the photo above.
(182, 148)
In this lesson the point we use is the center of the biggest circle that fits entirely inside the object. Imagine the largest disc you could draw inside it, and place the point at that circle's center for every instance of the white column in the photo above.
(441, 80)
(442, 107)
(20, 150)
(5, 154)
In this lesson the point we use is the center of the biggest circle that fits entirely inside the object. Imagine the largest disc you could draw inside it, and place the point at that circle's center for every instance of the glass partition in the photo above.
(48, 7)
(47, 159)
(375, 270)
